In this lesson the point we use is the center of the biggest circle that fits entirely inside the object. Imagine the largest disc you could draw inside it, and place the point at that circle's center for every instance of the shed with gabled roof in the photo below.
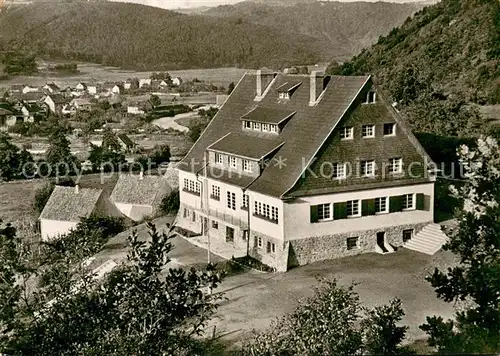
(65, 209)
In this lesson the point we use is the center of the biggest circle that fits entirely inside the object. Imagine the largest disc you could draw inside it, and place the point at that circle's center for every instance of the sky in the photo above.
(176, 4)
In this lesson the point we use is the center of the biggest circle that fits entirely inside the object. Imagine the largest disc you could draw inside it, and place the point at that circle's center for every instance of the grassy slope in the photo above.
(144, 37)
(445, 56)
(343, 28)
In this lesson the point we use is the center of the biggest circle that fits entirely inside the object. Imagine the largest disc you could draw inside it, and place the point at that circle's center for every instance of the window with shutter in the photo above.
(314, 213)
(394, 204)
(367, 207)
(340, 210)
(420, 202)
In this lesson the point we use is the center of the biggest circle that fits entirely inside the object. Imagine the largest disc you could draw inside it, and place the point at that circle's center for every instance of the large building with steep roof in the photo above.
(295, 169)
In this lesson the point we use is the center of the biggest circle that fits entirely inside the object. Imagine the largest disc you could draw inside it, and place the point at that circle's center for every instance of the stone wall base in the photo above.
(319, 248)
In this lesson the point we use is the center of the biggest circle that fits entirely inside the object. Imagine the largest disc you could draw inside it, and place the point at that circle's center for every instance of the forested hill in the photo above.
(138, 36)
(439, 63)
(343, 28)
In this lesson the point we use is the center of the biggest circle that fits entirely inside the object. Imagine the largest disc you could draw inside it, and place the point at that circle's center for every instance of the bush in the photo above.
(170, 203)
(42, 196)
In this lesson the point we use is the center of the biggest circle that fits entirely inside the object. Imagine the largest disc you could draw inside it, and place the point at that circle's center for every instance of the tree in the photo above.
(59, 156)
(155, 101)
(139, 308)
(171, 202)
(475, 281)
(230, 88)
(12, 160)
(161, 154)
(110, 140)
(195, 131)
(332, 322)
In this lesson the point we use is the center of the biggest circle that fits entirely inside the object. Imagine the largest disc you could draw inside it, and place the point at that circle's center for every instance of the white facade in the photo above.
(135, 212)
(297, 214)
(51, 229)
(134, 110)
(177, 81)
(143, 82)
(92, 89)
(29, 89)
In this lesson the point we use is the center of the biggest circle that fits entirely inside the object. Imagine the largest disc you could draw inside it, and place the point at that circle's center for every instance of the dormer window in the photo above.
(286, 90)
(232, 162)
(273, 128)
(256, 126)
(265, 127)
(248, 125)
(370, 97)
(284, 96)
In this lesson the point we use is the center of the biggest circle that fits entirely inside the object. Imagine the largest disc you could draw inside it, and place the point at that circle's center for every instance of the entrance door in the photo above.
(381, 241)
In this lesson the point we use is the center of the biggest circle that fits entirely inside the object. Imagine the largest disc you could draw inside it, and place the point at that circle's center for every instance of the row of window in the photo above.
(356, 208)
(352, 243)
(266, 211)
(258, 241)
(192, 186)
(367, 168)
(257, 126)
(232, 162)
(347, 132)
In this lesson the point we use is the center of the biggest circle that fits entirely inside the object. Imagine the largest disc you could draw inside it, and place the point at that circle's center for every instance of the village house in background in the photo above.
(66, 207)
(306, 168)
(139, 196)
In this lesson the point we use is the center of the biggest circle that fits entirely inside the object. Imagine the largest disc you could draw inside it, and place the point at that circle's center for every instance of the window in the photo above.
(352, 243)
(232, 162)
(338, 170)
(268, 247)
(229, 234)
(274, 213)
(370, 97)
(259, 242)
(231, 200)
(325, 212)
(395, 165)
(245, 201)
(368, 130)
(273, 128)
(265, 127)
(186, 213)
(353, 208)
(248, 124)
(256, 126)
(247, 167)
(215, 224)
(284, 96)
(381, 205)
(191, 186)
(194, 216)
(215, 192)
(346, 133)
(367, 168)
(389, 129)
(407, 235)
(219, 159)
(266, 211)
(409, 201)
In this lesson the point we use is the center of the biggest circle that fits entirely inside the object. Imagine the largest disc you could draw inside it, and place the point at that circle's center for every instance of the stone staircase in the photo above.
(429, 240)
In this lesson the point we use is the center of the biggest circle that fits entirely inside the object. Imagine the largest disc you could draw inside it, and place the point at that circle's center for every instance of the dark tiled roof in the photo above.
(304, 134)
(59, 99)
(33, 108)
(52, 86)
(246, 145)
(65, 204)
(132, 189)
(126, 140)
(267, 115)
(288, 86)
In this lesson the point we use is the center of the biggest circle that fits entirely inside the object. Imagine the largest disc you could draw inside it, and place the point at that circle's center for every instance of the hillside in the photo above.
(439, 64)
(143, 37)
(343, 28)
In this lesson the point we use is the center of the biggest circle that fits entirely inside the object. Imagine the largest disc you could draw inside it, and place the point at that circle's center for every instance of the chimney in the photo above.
(77, 189)
(264, 78)
(141, 175)
(316, 86)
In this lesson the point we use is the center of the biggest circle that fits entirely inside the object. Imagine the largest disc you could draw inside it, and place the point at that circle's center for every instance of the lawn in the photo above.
(16, 198)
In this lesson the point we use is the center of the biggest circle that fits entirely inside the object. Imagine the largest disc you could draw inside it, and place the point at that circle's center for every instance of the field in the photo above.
(16, 198)
(90, 72)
